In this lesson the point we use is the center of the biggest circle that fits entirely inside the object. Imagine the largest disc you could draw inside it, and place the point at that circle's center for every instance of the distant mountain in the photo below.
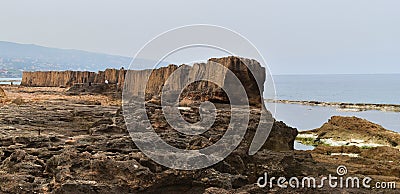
(15, 58)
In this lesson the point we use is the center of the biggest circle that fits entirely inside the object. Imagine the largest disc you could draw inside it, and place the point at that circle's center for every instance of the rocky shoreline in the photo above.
(73, 138)
(58, 143)
(351, 107)
(358, 143)
(54, 142)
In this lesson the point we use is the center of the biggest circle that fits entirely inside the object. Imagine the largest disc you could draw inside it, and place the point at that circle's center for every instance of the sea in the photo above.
(371, 89)
(16, 81)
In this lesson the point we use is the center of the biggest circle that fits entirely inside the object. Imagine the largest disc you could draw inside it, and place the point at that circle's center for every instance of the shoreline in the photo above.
(53, 133)
(350, 107)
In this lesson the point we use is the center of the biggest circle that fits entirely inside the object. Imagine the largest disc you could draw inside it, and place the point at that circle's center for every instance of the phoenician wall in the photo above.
(69, 78)
(250, 76)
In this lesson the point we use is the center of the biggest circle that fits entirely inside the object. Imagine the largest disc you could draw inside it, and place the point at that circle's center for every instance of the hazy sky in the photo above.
(295, 37)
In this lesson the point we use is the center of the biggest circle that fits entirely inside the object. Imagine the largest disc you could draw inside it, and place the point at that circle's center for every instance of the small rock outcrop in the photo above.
(358, 144)
(356, 131)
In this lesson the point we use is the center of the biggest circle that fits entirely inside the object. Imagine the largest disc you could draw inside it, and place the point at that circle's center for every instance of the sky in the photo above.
(294, 36)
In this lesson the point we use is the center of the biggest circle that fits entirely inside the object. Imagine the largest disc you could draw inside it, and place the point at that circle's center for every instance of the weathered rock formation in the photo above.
(250, 76)
(355, 131)
(69, 78)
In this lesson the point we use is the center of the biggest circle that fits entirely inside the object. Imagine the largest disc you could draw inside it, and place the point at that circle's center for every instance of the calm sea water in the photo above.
(377, 89)
(305, 117)
(374, 88)
(5, 81)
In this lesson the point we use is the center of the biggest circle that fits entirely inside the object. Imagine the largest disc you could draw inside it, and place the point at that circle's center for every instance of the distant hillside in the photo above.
(15, 58)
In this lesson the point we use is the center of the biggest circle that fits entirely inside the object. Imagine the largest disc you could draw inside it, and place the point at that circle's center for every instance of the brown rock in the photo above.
(214, 190)
(348, 128)
(18, 101)
(121, 79)
(201, 90)
(197, 91)
(2, 93)
(68, 78)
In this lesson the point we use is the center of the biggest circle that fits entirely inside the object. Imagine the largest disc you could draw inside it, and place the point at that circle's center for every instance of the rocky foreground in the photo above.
(361, 145)
(51, 142)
